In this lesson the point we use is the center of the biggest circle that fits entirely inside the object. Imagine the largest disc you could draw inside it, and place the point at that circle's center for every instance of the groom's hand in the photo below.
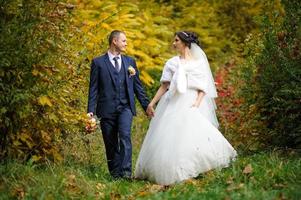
(150, 111)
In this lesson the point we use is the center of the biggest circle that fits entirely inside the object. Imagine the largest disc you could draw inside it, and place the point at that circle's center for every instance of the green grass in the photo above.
(273, 176)
(84, 175)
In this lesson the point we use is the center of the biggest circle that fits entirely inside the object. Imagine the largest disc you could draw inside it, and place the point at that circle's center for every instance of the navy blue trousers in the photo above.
(116, 132)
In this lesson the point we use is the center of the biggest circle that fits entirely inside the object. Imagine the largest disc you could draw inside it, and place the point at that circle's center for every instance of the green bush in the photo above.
(31, 71)
(279, 78)
(273, 77)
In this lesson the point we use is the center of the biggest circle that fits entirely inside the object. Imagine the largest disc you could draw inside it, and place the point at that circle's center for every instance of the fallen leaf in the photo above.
(157, 188)
(143, 193)
(114, 196)
(19, 193)
(71, 177)
(191, 181)
(99, 195)
(235, 187)
(100, 186)
(229, 181)
(248, 169)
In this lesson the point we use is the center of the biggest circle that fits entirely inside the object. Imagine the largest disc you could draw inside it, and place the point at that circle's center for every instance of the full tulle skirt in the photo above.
(181, 142)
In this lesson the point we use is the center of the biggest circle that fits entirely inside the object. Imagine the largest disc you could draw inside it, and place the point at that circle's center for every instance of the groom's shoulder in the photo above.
(100, 58)
(128, 57)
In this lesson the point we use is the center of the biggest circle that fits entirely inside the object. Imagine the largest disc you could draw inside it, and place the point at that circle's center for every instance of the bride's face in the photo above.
(178, 44)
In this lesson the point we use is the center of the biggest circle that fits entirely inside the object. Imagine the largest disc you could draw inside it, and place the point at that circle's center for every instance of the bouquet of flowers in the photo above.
(91, 124)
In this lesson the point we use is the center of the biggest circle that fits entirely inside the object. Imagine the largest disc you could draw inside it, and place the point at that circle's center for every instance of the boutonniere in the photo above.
(131, 71)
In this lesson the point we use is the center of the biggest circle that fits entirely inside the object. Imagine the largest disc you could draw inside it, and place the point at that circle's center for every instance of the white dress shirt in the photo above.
(111, 57)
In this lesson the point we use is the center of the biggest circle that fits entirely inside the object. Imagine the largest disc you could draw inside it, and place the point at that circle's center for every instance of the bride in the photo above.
(183, 140)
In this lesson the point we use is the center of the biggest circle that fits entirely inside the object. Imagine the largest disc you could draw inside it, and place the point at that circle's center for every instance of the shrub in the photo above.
(272, 78)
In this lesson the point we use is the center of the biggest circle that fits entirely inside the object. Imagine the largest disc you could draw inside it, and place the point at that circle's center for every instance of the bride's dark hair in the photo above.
(188, 37)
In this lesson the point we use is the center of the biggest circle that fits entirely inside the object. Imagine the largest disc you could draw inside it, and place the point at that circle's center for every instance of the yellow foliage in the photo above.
(36, 158)
(146, 78)
(35, 72)
(105, 26)
(27, 139)
(44, 100)
(45, 136)
(57, 157)
(146, 39)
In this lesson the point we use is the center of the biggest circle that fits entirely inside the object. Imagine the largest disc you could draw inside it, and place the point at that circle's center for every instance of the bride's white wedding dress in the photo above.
(182, 141)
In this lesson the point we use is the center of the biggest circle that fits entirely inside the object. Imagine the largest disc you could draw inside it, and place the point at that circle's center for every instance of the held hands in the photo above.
(150, 111)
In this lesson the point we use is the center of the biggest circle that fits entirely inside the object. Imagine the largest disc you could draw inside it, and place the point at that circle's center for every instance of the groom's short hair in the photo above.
(114, 34)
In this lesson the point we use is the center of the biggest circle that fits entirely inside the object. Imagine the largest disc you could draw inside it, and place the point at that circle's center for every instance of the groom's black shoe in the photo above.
(116, 176)
(127, 176)
(120, 177)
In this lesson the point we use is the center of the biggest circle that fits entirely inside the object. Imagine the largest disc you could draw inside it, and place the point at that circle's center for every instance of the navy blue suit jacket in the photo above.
(102, 89)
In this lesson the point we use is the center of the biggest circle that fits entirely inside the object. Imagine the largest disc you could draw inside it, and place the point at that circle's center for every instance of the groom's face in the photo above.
(120, 42)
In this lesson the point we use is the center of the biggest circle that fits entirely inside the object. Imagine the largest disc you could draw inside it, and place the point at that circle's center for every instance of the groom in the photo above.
(114, 81)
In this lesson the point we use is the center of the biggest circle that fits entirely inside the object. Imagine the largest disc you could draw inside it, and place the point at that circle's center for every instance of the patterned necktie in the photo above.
(117, 66)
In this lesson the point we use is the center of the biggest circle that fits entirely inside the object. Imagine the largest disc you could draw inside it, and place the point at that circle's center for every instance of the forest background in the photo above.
(45, 52)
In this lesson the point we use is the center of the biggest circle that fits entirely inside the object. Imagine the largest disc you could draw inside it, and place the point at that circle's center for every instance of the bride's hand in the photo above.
(150, 110)
(198, 100)
(195, 104)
